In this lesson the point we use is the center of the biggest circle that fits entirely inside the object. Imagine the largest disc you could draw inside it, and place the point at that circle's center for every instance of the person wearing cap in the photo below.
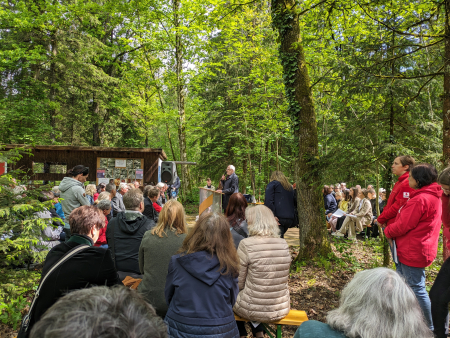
(73, 193)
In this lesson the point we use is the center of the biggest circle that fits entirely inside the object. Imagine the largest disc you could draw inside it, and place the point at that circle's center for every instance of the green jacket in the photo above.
(154, 257)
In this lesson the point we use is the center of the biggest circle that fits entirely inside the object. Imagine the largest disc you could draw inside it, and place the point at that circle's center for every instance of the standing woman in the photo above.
(279, 198)
(201, 284)
(400, 192)
(73, 194)
(157, 246)
(440, 291)
(415, 232)
(235, 215)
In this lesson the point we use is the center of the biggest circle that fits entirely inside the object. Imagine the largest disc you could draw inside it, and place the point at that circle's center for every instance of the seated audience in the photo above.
(264, 272)
(157, 247)
(100, 188)
(372, 230)
(235, 215)
(362, 217)
(343, 205)
(90, 191)
(53, 234)
(105, 196)
(57, 205)
(104, 206)
(201, 284)
(125, 232)
(376, 303)
(329, 201)
(151, 194)
(111, 189)
(100, 312)
(415, 232)
(92, 266)
(117, 200)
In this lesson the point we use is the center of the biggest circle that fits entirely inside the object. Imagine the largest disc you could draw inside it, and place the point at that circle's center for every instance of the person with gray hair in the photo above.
(99, 311)
(104, 205)
(162, 196)
(117, 200)
(377, 303)
(125, 232)
(230, 184)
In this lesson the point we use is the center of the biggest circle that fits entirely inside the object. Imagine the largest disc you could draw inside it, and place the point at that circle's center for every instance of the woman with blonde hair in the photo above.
(201, 286)
(157, 246)
(91, 189)
(279, 198)
(264, 272)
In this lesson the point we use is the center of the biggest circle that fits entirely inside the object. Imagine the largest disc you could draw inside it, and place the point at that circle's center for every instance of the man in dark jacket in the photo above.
(117, 201)
(90, 267)
(150, 192)
(124, 234)
(175, 186)
(230, 185)
(329, 201)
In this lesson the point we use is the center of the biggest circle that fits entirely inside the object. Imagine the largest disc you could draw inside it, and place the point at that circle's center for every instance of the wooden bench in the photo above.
(295, 317)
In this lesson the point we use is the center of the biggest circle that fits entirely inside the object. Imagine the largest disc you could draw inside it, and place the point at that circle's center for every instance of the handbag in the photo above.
(24, 333)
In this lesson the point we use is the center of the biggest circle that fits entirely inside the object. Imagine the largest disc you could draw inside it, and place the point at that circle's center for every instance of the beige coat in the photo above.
(263, 279)
(353, 205)
(365, 213)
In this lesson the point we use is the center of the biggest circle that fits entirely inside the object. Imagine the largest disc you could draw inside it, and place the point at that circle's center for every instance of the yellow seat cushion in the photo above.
(295, 317)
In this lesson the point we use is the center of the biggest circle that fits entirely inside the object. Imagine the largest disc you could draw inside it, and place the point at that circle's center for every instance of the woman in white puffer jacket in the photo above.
(264, 272)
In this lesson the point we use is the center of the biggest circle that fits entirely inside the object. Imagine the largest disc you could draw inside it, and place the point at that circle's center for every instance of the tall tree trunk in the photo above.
(54, 52)
(446, 98)
(313, 233)
(180, 97)
(95, 125)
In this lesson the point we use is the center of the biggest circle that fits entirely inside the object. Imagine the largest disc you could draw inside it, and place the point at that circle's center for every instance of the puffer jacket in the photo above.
(416, 227)
(263, 279)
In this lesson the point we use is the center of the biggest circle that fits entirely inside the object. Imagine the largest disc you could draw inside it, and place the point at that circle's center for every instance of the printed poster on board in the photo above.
(100, 173)
(139, 174)
(121, 163)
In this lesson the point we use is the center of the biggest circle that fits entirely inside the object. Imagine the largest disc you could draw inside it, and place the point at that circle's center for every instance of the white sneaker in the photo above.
(338, 234)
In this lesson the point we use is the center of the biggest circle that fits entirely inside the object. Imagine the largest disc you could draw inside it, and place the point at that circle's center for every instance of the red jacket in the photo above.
(416, 227)
(157, 207)
(446, 217)
(102, 237)
(398, 197)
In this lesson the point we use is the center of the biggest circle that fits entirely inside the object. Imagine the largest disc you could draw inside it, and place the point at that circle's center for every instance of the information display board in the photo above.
(120, 170)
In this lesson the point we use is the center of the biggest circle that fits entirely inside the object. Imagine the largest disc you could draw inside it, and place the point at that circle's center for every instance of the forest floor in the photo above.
(315, 285)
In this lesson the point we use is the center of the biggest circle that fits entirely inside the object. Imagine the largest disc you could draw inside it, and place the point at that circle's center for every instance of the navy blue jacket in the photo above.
(230, 186)
(196, 293)
(330, 203)
(280, 200)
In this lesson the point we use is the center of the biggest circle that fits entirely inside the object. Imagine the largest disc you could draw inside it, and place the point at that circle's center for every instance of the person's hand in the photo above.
(375, 221)
(278, 221)
(383, 225)
(223, 178)
(219, 190)
(329, 215)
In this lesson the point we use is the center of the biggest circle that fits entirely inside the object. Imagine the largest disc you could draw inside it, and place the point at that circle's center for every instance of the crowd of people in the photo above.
(192, 284)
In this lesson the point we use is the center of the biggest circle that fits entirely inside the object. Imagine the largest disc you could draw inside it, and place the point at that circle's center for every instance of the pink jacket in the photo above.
(416, 227)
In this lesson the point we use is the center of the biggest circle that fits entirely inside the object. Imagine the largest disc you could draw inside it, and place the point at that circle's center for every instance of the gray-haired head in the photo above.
(100, 311)
(132, 199)
(232, 167)
(377, 303)
(56, 191)
(110, 187)
(123, 186)
(104, 204)
(160, 185)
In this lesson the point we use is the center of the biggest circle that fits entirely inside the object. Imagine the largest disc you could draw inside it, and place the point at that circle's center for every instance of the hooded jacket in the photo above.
(446, 217)
(417, 226)
(124, 236)
(73, 195)
(197, 293)
(398, 197)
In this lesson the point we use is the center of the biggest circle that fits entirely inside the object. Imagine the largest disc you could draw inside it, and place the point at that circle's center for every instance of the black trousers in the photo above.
(243, 331)
(285, 224)
(440, 297)
(339, 223)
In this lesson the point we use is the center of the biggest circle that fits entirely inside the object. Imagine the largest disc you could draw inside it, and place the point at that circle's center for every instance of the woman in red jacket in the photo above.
(400, 193)
(440, 291)
(415, 232)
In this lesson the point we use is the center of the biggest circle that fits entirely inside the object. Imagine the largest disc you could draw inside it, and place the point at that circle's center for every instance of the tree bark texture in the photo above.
(446, 96)
(313, 233)
(180, 97)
